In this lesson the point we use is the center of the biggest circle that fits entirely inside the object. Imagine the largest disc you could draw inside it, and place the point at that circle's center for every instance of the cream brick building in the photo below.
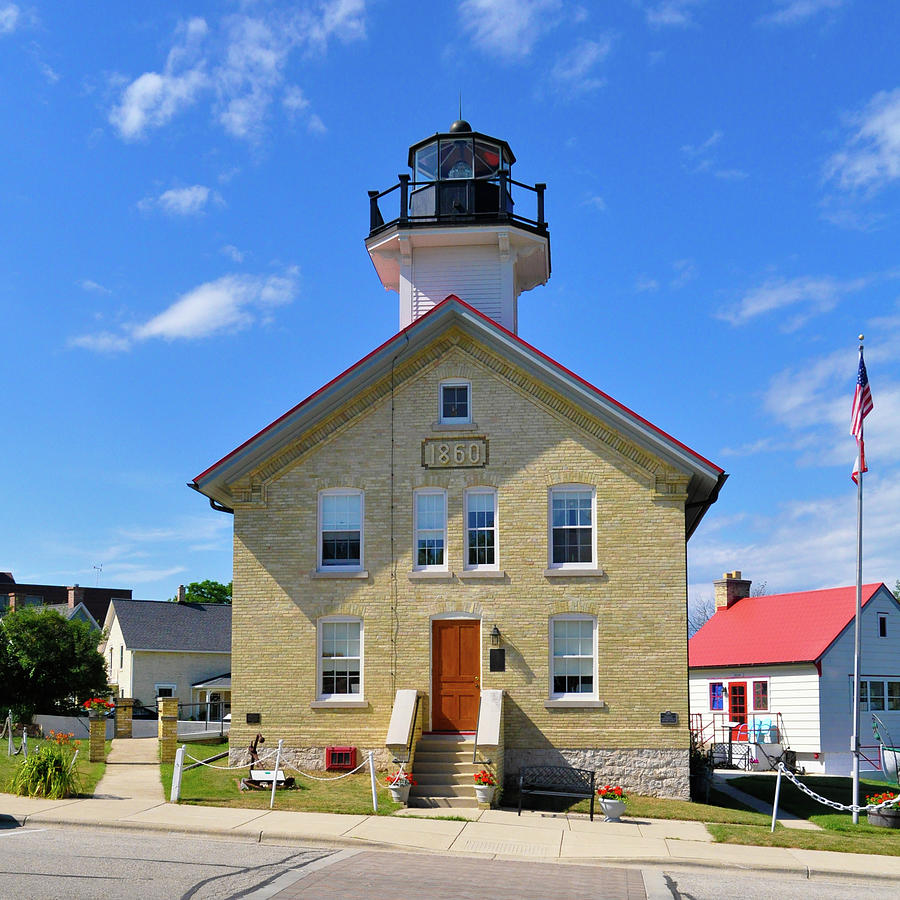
(459, 514)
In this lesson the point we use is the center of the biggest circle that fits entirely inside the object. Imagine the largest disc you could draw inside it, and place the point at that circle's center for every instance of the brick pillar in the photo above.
(124, 710)
(98, 737)
(168, 728)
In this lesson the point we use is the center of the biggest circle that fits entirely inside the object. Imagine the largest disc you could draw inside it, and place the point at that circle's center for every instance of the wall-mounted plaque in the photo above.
(454, 453)
(253, 718)
(668, 718)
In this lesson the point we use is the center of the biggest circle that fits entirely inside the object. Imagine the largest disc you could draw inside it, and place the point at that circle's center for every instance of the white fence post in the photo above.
(777, 792)
(372, 776)
(275, 777)
(9, 732)
(25, 741)
(175, 793)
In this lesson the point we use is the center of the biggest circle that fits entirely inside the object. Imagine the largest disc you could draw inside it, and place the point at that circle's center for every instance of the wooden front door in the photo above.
(737, 709)
(455, 674)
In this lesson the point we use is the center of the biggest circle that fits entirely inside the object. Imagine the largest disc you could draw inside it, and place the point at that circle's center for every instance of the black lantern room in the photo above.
(459, 177)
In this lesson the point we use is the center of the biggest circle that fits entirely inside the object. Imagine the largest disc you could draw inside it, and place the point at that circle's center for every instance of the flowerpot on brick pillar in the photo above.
(124, 717)
(97, 724)
(167, 728)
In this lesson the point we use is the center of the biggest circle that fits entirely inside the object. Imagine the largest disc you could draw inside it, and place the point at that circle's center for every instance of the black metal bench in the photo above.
(557, 781)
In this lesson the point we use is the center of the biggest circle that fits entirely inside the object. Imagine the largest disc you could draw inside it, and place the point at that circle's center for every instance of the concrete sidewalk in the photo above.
(487, 834)
(132, 771)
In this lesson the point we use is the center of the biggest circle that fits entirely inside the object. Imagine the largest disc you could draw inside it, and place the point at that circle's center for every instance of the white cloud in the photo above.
(232, 253)
(685, 272)
(813, 295)
(188, 201)
(508, 28)
(228, 304)
(792, 12)
(597, 202)
(92, 287)
(154, 98)
(806, 545)
(870, 159)
(671, 13)
(572, 72)
(645, 283)
(9, 18)
(315, 125)
(102, 342)
(240, 66)
(703, 157)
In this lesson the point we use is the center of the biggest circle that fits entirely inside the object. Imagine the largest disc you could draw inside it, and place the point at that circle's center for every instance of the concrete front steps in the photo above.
(443, 768)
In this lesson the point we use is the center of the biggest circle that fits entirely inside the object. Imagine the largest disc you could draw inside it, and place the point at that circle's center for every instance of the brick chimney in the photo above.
(76, 595)
(729, 589)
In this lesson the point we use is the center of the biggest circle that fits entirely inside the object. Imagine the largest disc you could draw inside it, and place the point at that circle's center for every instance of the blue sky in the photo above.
(184, 205)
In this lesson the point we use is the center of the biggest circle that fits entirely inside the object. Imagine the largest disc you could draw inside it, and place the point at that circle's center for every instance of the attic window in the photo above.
(455, 403)
(882, 625)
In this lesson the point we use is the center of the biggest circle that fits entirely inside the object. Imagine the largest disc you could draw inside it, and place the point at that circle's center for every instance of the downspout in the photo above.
(218, 507)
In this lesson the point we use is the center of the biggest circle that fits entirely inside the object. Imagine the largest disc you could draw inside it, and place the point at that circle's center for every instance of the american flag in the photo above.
(862, 406)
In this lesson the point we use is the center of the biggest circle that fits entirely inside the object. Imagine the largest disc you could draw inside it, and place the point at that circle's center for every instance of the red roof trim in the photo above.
(493, 324)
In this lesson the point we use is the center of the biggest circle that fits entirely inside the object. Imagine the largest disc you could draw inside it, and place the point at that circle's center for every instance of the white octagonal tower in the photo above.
(460, 225)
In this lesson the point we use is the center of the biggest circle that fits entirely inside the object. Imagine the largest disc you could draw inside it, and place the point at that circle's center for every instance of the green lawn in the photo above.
(204, 786)
(839, 833)
(90, 773)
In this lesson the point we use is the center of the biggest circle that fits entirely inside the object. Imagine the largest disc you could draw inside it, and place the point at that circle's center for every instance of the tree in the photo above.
(699, 612)
(897, 588)
(48, 663)
(207, 592)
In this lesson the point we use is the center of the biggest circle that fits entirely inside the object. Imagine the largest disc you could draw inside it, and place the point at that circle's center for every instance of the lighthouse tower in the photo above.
(460, 225)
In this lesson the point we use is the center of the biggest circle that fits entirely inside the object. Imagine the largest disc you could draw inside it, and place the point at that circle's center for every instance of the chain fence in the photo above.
(825, 801)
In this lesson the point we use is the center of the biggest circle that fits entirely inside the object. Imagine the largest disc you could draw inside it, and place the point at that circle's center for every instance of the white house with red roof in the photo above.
(775, 672)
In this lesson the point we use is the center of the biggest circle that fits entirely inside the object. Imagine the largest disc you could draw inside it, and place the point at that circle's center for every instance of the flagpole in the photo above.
(856, 638)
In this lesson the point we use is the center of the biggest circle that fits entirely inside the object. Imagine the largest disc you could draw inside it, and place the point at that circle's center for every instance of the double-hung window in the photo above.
(481, 529)
(716, 695)
(430, 529)
(573, 657)
(340, 530)
(340, 658)
(455, 403)
(573, 536)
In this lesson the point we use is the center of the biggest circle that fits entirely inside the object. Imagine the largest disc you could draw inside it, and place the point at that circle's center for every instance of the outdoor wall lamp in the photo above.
(495, 636)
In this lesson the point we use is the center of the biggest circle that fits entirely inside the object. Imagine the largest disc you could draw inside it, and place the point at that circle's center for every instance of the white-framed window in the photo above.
(455, 402)
(340, 654)
(340, 541)
(573, 537)
(481, 529)
(165, 690)
(878, 695)
(430, 529)
(121, 654)
(573, 657)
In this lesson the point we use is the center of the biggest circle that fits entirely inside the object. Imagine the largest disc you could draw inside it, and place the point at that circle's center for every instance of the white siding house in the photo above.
(775, 673)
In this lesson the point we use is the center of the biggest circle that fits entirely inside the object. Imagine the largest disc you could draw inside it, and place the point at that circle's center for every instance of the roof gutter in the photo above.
(703, 505)
(218, 507)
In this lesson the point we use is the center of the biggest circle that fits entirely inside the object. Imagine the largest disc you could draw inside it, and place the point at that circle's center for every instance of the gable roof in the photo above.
(777, 628)
(186, 627)
(706, 478)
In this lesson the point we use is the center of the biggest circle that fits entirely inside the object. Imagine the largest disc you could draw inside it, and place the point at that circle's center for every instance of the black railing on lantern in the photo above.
(458, 200)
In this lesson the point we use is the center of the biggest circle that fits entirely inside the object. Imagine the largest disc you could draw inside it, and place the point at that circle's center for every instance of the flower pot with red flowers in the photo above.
(612, 802)
(887, 816)
(399, 784)
(485, 785)
(97, 707)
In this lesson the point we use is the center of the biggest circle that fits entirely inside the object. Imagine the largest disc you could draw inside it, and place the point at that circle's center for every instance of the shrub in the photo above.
(48, 772)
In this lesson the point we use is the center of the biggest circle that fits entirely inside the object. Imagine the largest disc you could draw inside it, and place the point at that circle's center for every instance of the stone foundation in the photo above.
(305, 759)
(654, 773)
